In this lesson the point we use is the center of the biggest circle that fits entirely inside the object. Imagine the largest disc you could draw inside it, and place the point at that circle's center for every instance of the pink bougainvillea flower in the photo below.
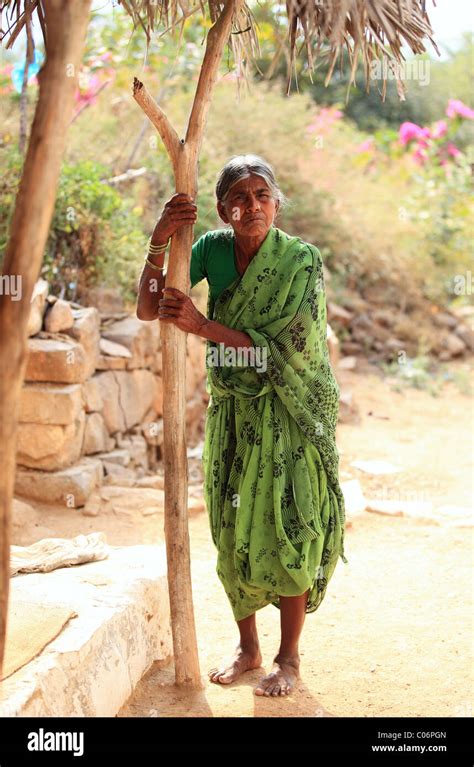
(419, 155)
(366, 145)
(439, 129)
(408, 131)
(324, 119)
(453, 150)
(456, 107)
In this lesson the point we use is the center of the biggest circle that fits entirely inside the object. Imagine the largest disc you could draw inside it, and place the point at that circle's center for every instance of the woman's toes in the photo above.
(276, 690)
(226, 677)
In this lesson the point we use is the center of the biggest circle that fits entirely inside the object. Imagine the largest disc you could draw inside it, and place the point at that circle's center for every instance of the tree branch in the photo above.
(159, 119)
(215, 41)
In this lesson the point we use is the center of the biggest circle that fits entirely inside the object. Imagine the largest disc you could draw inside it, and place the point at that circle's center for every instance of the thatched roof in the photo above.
(368, 30)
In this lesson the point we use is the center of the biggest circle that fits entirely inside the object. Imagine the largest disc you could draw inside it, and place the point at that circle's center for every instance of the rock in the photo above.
(49, 403)
(50, 446)
(466, 334)
(138, 391)
(464, 311)
(454, 516)
(118, 475)
(24, 515)
(152, 430)
(111, 349)
(394, 344)
(109, 392)
(156, 481)
(130, 501)
(56, 360)
(361, 321)
(111, 363)
(96, 436)
(86, 330)
(138, 451)
(139, 337)
(196, 505)
(333, 345)
(37, 308)
(195, 452)
(71, 487)
(354, 302)
(127, 396)
(59, 317)
(362, 336)
(338, 314)
(106, 300)
(348, 363)
(120, 457)
(384, 317)
(348, 410)
(376, 467)
(120, 629)
(92, 395)
(453, 345)
(444, 320)
(194, 419)
(350, 347)
(354, 500)
(400, 508)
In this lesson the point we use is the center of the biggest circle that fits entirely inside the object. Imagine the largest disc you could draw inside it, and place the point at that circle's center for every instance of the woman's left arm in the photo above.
(179, 309)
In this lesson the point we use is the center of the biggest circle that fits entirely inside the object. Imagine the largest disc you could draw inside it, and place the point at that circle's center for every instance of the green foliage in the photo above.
(11, 163)
(348, 202)
(96, 236)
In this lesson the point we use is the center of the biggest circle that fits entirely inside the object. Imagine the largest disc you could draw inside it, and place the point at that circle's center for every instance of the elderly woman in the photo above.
(270, 460)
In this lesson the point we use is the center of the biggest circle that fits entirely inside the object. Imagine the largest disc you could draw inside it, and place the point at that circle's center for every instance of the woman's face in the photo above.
(250, 207)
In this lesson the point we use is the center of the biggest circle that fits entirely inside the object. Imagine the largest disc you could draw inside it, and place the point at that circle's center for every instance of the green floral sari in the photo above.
(275, 506)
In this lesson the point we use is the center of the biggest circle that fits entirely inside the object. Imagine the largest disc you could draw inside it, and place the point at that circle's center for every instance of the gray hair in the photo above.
(242, 166)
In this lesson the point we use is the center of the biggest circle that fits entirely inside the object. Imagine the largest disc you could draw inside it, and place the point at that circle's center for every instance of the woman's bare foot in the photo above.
(243, 660)
(282, 678)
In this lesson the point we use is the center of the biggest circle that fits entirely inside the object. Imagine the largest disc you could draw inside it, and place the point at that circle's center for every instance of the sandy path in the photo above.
(392, 637)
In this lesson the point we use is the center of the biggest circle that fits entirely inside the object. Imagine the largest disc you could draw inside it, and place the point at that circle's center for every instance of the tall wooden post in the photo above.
(66, 22)
(184, 155)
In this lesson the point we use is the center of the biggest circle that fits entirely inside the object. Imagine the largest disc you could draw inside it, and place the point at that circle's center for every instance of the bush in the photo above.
(96, 235)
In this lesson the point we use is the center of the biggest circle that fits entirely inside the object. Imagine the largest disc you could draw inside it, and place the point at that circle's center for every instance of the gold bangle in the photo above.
(154, 266)
(157, 248)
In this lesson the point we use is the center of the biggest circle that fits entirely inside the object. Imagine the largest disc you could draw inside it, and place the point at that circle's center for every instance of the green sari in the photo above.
(271, 487)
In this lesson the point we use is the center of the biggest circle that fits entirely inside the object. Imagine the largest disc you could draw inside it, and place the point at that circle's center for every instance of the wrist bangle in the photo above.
(154, 266)
(153, 249)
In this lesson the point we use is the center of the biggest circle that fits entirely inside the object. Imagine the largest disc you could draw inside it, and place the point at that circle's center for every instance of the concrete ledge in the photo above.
(122, 627)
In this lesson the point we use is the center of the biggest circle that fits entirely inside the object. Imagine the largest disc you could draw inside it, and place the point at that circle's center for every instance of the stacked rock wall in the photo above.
(92, 403)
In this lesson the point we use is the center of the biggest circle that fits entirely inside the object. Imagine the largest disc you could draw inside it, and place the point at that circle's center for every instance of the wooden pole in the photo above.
(66, 22)
(184, 155)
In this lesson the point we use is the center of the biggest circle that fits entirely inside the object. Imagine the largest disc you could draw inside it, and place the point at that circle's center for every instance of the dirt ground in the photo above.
(393, 635)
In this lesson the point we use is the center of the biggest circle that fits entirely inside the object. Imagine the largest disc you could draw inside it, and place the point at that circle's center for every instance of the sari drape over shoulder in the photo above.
(271, 464)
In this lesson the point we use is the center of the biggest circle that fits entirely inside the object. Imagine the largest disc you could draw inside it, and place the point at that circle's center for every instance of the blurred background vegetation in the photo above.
(389, 205)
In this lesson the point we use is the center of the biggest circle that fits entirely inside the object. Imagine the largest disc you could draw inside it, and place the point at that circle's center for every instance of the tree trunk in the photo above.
(66, 22)
(184, 155)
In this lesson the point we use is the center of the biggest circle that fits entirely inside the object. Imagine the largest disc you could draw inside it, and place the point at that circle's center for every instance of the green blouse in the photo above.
(212, 256)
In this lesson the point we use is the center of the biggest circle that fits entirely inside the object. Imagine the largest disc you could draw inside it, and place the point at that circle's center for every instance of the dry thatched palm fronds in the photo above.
(371, 31)
(374, 30)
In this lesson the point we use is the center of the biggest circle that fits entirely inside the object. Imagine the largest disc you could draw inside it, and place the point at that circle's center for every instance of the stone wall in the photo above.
(92, 403)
